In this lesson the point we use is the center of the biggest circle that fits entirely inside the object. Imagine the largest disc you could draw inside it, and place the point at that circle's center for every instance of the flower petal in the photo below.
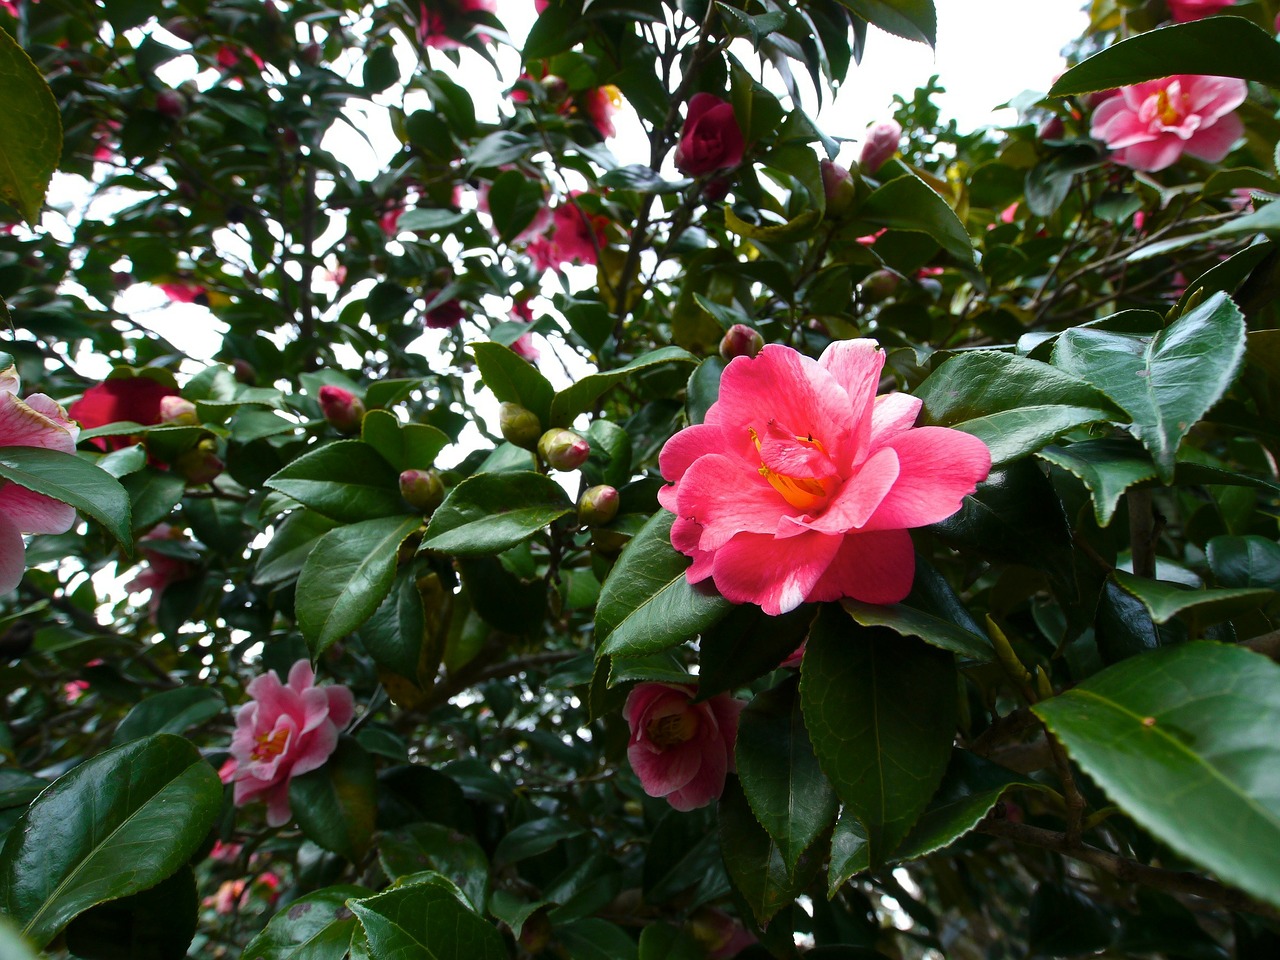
(875, 567)
(938, 468)
(12, 555)
(775, 574)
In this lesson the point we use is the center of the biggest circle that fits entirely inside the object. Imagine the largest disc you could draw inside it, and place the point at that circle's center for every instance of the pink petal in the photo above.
(856, 366)
(315, 708)
(662, 771)
(687, 446)
(775, 574)
(44, 425)
(938, 468)
(1153, 156)
(1214, 97)
(1214, 142)
(314, 749)
(342, 705)
(278, 812)
(707, 783)
(726, 499)
(857, 500)
(12, 555)
(33, 512)
(301, 676)
(894, 413)
(875, 567)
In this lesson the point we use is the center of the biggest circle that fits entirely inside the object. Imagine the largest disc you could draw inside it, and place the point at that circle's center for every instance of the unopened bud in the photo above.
(178, 411)
(563, 450)
(519, 425)
(342, 408)
(1051, 129)
(879, 285)
(598, 505)
(244, 372)
(421, 489)
(557, 88)
(881, 144)
(201, 464)
(535, 934)
(171, 104)
(838, 185)
(741, 341)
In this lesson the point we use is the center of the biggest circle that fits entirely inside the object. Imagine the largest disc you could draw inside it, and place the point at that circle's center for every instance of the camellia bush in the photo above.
(618, 523)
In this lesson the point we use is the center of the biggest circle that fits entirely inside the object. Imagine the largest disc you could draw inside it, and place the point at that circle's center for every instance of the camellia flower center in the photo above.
(804, 493)
(270, 745)
(672, 729)
(1165, 107)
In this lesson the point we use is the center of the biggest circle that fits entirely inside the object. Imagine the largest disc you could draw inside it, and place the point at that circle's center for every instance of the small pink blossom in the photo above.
(73, 690)
(283, 731)
(574, 236)
(1183, 11)
(1150, 125)
(710, 138)
(36, 421)
(881, 144)
(801, 484)
(161, 569)
(600, 104)
(436, 17)
(184, 292)
(681, 750)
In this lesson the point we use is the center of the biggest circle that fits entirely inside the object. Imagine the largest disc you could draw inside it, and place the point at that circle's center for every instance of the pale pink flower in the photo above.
(161, 569)
(801, 483)
(681, 750)
(881, 144)
(1150, 125)
(1185, 10)
(573, 237)
(285, 730)
(36, 421)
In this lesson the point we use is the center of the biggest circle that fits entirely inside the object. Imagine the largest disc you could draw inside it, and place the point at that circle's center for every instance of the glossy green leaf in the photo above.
(1183, 740)
(746, 644)
(1214, 46)
(172, 711)
(316, 926)
(396, 631)
(514, 200)
(31, 144)
(596, 939)
(579, 397)
(346, 480)
(932, 629)
(426, 920)
(1165, 600)
(346, 577)
(1106, 467)
(117, 824)
(73, 480)
(911, 19)
(405, 446)
(1243, 562)
(492, 512)
(850, 854)
(335, 805)
(1166, 382)
(779, 774)
(436, 847)
(534, 837)
(662, 941)
(513, 379)
(293, 541)
(908, 203)
(683, 854)
(646, 604)
(881, 711)
(157, 923)
(754, 860)
(153, 493)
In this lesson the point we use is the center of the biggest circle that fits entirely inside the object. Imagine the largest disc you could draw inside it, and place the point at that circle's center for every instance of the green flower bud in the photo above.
(598, 505)
(519, 425)
(421, 489)
(201, 464)
(563, 450)
(741, 341)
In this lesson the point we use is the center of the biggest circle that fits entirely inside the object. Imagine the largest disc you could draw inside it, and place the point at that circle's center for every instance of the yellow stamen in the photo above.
(673, 729)
(1167, 112)
(803, 493)
(270, 745)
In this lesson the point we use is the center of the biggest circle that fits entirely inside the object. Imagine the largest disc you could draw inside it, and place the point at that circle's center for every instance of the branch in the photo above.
(1122, 868)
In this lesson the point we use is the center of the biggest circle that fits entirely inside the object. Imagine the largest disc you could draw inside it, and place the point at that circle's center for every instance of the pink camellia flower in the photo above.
(881, 144)
(285, 730)
(434, 20)
(710, 138)
(801, 483)
(36, 421)
(600, 104)
(1150, 125)
(1184, 10)
(679, 749)
(573, 237)
(184, 292)
(161, 569)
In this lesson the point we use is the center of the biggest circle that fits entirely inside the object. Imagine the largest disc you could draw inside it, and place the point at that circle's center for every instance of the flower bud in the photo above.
(342, 408)
(201, 464)
(178, 411)
(879, 285)
(1051, 129)
(421, 489)
(838, 185)
(881, 144)
(171, 104)
(244, 372)
(519, 425)
(563, 450)
(598, 505)
(741, 341)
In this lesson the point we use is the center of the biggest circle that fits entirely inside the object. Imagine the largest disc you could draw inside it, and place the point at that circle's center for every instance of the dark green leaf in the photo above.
(335, 805)
(747, 644)
(596, 939)
(153, 494)
(173, 711)
(292, 543)
(1106, 467)
(316, 926)
(492, 512)
(1166, 600)
(881, 711)
(641, 179)
(662, 941)
(115, 825)
(433, 846)
(1180, 731)
(70, 479)
(427, 919)
(534, 837)
(850, 854)
(513, 379)
(908, 203)
(579, 397)
(346, 480)
(1066, 923)
(912, 19)
(32, 141)
(346, 576)
(154, 924)
(933, 630)
(405, 446)
(755, 862)
(646, 604)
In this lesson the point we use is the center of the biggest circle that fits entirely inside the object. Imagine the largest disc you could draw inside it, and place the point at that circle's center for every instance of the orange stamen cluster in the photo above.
(804, 493)
(672, 729)
(270, 745)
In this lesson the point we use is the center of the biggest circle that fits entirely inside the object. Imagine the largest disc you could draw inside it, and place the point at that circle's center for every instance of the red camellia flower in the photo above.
(1184, 10)
(600, 104)
(285, 730)
(434, 20)
(801, 483)
(1150, 125)
(133, 399)
(710, 138)
(36, 421)
(443, 316)
(679, 749)
(573, 237)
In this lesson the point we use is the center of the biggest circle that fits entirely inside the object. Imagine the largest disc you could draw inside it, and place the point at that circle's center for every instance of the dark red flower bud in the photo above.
(741, 341)
(342, 408)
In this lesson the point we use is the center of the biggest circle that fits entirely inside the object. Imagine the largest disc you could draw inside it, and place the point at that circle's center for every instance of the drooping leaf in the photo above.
(911, 19)
(1166, 382)
(346, 480)
(881, 711)
(779, 774)
(1213, 46)
(908, 203)
(492, 512)
(31, 144)
(1106, 467)
(73, 480)
(115, 825)
(346, 577)
(335, 805)
(646, 604)
(1180, 731)
(932, 629)
(1166, 600)
(316, 926)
